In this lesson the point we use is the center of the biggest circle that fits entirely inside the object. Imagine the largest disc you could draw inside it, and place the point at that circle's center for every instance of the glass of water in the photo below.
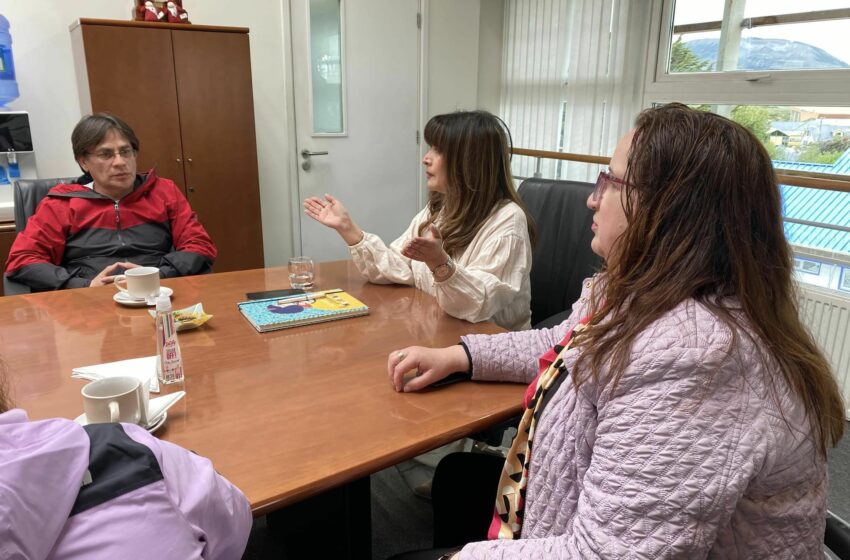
(301, 272)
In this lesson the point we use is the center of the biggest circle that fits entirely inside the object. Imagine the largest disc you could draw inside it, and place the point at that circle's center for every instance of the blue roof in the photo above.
(817, 205)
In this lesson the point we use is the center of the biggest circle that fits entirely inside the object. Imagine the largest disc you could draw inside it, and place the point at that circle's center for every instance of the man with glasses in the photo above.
(111, 219)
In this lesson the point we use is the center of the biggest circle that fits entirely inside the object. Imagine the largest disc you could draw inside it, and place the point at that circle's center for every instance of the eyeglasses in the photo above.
(602, 182)
(106, 156)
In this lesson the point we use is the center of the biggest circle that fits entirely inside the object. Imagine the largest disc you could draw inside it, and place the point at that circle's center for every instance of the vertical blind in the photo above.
(572, 78)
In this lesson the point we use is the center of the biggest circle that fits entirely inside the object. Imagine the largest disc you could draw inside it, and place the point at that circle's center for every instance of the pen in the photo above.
(305, 297)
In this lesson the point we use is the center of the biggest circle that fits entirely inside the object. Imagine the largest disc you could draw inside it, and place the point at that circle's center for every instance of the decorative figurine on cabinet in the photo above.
(166, 11)
(174, 13)
(149, 12)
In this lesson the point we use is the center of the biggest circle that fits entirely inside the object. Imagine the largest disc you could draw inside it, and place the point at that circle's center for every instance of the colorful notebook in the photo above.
(275, 313)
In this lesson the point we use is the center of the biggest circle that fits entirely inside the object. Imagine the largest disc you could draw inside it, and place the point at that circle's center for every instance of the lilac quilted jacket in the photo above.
(688, 458)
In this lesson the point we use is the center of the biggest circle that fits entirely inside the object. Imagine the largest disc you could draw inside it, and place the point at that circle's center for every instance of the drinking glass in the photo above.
(301, 272)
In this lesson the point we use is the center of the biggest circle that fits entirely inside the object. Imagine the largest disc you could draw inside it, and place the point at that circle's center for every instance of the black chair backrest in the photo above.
(837, 536)
(28, 193)
(562, 257)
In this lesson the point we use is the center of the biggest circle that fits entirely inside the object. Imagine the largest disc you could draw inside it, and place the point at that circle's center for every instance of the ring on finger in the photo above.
(400, 355)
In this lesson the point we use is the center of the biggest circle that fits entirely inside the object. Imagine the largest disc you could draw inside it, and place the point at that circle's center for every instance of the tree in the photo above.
(754, 118)
(683, 59)
(825, 152)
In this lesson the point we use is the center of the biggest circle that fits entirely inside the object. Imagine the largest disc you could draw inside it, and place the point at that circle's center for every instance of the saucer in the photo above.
(128, 301)
(151, 427)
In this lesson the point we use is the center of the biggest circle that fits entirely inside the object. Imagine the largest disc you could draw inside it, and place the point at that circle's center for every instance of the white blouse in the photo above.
(491, 278)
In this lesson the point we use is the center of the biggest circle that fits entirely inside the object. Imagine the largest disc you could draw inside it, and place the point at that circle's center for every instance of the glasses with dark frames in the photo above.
(602, 183)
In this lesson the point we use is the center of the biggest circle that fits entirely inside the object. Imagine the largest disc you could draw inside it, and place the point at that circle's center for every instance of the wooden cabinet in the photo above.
(186, 91)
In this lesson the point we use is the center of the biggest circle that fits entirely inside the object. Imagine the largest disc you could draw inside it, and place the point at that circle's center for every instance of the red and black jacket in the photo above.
(76, 232)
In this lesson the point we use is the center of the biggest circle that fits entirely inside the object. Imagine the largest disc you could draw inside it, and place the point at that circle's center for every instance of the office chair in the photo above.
(837, 536)
(27, 194)
(562, 257)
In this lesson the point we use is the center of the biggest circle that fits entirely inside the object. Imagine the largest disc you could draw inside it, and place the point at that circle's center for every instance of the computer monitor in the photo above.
(15, 132)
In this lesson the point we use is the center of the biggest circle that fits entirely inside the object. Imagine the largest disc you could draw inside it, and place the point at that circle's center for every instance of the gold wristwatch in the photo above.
(444, 271)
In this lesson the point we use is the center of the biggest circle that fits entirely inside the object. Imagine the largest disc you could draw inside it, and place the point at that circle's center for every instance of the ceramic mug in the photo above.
(142, 282)
(116, 399)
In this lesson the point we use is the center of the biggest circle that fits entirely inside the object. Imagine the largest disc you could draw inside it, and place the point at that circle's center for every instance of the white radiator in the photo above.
(827, 315)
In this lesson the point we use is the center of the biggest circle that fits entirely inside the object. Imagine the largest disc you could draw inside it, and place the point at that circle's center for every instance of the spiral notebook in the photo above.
(275, 314)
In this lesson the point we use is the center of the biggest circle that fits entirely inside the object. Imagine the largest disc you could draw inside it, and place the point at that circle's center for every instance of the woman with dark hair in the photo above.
(682, 410)
(471, 246)
(70, 492)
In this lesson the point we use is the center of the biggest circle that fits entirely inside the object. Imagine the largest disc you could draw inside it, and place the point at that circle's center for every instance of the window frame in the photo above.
(821, 88)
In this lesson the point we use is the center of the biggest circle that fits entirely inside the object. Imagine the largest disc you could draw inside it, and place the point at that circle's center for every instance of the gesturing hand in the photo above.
(107, 275)
(428, 248)
(332, 213)
(431, 365)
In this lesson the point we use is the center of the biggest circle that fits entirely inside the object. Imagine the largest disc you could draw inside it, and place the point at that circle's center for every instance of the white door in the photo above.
(356, 83)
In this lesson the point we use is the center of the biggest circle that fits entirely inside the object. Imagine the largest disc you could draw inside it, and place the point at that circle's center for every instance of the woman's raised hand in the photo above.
(428, 248)
(431, 365)
(332, 213)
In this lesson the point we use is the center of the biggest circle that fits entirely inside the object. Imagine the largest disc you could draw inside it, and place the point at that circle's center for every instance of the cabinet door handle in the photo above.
(189, 160)
(178, 160)
(191, 189)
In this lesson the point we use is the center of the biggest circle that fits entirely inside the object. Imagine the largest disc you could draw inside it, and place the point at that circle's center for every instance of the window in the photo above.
(844, 285)
(754, 52)
(756, 35)
(781, 68)
(805, 265)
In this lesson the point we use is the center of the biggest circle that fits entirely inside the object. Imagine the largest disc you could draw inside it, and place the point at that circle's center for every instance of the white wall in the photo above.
(490, 38)
(452, 74)
(45, 72)
(464, 47)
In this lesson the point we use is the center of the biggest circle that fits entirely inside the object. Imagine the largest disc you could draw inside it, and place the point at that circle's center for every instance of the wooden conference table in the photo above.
(283, 415)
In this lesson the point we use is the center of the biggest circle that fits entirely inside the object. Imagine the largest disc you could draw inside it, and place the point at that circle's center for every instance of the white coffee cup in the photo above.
(116, 399)
(142, 282)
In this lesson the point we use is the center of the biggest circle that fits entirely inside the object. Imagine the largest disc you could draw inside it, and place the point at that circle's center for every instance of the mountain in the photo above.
(770, 54)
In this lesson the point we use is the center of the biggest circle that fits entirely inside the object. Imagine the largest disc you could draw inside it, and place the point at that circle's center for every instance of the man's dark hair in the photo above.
(92, 129)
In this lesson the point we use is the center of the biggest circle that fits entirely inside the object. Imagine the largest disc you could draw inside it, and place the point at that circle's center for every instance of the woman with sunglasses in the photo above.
(682, 410)
(471, 245)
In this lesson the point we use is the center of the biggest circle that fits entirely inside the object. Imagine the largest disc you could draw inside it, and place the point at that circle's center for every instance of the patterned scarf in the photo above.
(510, 500)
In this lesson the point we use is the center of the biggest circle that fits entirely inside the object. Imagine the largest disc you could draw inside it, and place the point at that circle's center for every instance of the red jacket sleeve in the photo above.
(194, 251)
(37, 252)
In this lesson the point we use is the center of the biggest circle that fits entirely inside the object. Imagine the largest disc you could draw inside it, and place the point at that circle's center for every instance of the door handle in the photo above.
(306, 154)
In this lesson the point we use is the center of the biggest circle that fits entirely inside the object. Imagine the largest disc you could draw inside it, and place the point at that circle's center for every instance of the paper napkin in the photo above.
(142, 368)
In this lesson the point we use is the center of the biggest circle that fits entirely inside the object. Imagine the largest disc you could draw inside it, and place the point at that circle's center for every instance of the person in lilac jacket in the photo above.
(111, 491)
(697, 410)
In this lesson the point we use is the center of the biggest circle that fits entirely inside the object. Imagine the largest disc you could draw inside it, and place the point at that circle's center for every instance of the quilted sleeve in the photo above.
(513, 356)
(510, 356)
(674, 451)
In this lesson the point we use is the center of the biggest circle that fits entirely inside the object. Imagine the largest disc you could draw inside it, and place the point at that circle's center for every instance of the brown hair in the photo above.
(476, 154)
(705, 222)
(92, 129)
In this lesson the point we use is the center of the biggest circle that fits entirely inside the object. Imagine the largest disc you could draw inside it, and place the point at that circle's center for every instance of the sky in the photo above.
(831, 36)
